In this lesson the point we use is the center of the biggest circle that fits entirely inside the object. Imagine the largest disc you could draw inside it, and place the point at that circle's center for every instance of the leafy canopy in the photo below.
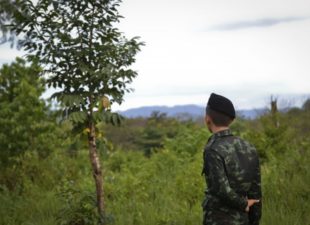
(82, 53)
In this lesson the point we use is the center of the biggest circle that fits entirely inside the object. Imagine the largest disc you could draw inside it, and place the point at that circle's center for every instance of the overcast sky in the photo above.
(246, 50)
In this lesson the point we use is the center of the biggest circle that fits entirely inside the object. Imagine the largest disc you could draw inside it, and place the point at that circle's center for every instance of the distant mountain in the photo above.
(183, 111)
(146, 111)
(251, 113)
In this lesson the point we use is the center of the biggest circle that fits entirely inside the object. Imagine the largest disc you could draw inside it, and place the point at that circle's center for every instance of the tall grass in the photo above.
(165, 189)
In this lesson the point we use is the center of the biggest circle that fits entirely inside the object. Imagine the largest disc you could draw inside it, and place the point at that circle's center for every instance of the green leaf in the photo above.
(78, 117)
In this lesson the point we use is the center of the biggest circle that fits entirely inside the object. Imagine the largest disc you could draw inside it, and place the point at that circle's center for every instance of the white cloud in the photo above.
(7, 54)
(236, 65)
(265, 22)
(180, 64)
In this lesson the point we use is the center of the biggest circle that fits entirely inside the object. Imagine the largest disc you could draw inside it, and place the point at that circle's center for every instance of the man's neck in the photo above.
(219, 129)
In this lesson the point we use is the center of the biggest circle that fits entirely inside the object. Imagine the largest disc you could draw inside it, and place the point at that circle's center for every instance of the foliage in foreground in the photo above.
(165, 188)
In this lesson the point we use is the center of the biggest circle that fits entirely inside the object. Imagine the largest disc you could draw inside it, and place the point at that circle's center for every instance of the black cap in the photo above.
(221, 104)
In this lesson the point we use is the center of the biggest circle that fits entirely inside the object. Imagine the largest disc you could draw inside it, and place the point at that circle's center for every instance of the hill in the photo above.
(192, 111)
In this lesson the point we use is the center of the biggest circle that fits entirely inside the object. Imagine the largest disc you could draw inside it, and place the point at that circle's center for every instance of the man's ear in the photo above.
(208, 119)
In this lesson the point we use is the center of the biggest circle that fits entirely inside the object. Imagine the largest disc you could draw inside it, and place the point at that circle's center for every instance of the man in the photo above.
(232, 171)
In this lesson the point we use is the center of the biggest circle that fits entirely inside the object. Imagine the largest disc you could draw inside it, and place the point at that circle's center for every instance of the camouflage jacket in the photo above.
(232, 172)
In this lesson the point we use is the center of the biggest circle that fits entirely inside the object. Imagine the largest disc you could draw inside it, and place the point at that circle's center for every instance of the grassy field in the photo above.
(164, 189)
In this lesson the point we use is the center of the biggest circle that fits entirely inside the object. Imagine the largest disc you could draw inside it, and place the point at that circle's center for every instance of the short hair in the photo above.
(218, 118)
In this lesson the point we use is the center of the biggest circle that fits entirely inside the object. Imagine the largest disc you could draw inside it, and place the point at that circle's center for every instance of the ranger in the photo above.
(232, 171)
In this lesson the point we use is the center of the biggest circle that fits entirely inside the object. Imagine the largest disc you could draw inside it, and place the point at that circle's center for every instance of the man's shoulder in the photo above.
(230, 144)
(241, 141)
(227, 142)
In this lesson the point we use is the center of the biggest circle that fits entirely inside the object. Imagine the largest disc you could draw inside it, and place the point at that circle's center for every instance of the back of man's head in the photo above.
(221, 110)
(219, 119)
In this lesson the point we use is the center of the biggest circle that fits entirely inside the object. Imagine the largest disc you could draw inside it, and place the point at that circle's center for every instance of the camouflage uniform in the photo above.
(231, 168)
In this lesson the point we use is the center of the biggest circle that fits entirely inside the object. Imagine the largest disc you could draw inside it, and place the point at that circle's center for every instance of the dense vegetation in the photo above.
(152, 167)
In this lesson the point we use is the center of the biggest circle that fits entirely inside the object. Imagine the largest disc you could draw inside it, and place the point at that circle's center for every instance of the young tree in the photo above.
(84, 55)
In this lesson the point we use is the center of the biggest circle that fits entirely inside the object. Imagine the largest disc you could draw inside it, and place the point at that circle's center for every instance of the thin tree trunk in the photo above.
(97, 173)
(274, 112)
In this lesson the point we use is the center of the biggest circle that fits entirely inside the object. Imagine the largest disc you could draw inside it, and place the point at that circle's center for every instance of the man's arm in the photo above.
(255, 192)
(219, 185)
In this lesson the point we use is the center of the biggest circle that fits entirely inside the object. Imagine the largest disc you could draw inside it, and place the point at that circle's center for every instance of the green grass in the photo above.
(166, 189)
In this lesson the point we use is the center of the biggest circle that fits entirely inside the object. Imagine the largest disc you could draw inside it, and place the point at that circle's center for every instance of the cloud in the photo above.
(264, 22)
